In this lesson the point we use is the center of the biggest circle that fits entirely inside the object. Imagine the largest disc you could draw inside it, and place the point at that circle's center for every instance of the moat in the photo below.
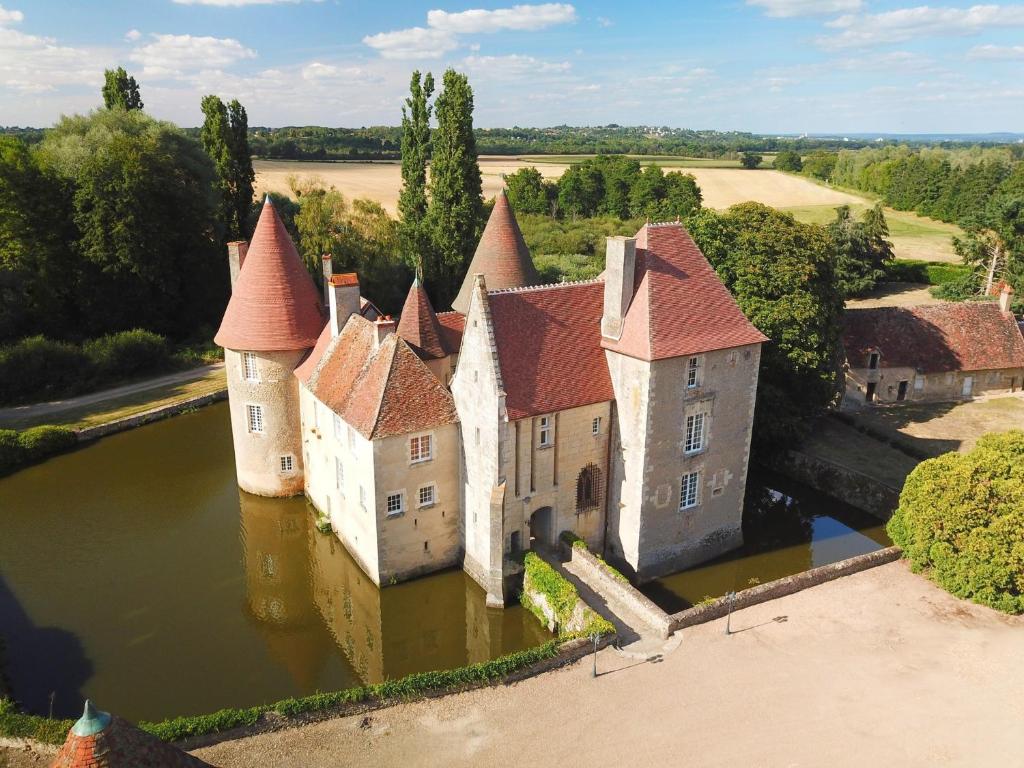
(134, 571)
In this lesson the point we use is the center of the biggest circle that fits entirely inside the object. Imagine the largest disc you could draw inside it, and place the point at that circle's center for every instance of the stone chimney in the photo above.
(385, 326)
(236, 257)
(619, 265)
(328, 270)
(343, 299)
(1005, 297)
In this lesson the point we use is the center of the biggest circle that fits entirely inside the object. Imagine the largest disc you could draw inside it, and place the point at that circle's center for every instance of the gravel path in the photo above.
(879, 668)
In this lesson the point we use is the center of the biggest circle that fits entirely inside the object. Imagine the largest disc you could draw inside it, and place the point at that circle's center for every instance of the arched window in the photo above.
(588, 489)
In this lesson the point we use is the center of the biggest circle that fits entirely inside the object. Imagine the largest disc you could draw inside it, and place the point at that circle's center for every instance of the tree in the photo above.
(820, 165)
(580, 190)
(961, 516)
(527, 192)
(781, 273)
(788, 160)
(413, 234)
(862, 250)
(215, 136)
(241, 174)
(750, 160)
(455, 212)
(120, 91)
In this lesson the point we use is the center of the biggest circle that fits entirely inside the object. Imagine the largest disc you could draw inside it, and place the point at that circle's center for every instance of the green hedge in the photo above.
(35, 444)
(561, 596)
(961, 518)
(13, 723)
(930, 272)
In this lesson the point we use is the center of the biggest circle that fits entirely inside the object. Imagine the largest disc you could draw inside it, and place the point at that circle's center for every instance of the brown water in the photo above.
(788, 528)
(133, 571)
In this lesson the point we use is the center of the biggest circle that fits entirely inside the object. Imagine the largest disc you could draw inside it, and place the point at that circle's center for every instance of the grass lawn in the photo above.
(840, 443)
(126, 405)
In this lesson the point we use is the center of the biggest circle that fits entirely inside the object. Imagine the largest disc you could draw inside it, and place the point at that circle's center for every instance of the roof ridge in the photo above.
(543, 286)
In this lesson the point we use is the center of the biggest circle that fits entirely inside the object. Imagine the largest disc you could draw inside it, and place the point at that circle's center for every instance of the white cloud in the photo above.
(414, 43)
(996, 52)
(175, 55)
(34, 64)
(443, 28)
(865, 30)
(10, 17)
(317, 71)
(604, 21)
(132, 35)
(518, 17)
(788, 8)
(513, 65)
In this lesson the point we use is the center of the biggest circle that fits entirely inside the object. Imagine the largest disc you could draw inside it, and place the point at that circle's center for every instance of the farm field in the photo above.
(914, 237)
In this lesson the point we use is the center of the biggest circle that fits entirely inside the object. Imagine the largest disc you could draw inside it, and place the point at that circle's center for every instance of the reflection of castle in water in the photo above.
(308, 593)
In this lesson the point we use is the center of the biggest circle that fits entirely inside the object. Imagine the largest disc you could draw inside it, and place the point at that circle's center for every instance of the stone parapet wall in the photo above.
(146, 417)
(762, 593)
(840, 482)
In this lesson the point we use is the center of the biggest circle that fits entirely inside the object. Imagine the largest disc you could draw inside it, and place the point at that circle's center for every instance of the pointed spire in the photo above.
(501, 255)
(92, 720)
(419, 326)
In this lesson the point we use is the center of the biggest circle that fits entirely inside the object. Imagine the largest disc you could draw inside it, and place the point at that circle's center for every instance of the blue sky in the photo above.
(753, 65)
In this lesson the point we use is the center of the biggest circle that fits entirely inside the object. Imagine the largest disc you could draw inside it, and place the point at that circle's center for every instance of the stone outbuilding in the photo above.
(938, 352)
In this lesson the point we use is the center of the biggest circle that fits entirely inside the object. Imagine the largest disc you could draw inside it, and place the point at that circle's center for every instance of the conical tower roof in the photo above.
(419, 325)
(501, 255)
(274, 305)
(98, 740)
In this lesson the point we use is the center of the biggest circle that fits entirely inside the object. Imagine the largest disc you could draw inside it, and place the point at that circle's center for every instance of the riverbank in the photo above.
(856, 671)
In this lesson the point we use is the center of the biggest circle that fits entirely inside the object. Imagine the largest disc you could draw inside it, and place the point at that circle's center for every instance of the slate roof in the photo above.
(549, 347)
(501, 255)
(419, 326)
(962, 336)
(680, 306)
(380, 392)
(274, 304)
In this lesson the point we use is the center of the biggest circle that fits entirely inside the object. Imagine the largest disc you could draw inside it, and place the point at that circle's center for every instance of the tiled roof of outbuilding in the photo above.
(274, 304)
(680, 306)
(549, 347)
(418, 325)
(501, 255)
(381, 392)
(962, 336)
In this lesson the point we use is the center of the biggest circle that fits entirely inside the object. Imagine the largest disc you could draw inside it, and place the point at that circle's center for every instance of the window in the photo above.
(339, 472)
(873, 360)
(362, 496)
(287, 464)
(420, 448)
(919, 382)
(588, 489)
(396, 504)
(545, 431)
(692, 371)
(689, 491)
(694, 433)
(595, 426)
(351, 439)
(249, 369)
(339, 427)
(255, 414)
(427, 496)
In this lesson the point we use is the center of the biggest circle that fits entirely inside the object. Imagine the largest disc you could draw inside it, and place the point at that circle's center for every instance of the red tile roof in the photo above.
(501, 255)
(121, 744)
(418, 325)
(963, 336)
(274, 304)
(452, 326)
(549, 347)
(380, 392)
(680, 306)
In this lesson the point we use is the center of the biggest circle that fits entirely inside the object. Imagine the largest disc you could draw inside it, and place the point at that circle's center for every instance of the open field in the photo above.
(665, 161)
(895, 295)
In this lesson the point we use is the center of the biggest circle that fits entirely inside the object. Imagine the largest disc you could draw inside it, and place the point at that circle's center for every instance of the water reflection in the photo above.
(787, 528)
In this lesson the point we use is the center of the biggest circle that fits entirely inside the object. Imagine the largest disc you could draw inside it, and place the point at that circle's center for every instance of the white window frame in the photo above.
(696, 433)
(400, 495)
(417, 455)
(420, 503)
(254, 418)
(250, 371)
(689, 491)
(544, 432)
(339, 475)
(362, 496)
(351, 438)
(595, 426)
(693, 373)
(286, 463)
(339, 428)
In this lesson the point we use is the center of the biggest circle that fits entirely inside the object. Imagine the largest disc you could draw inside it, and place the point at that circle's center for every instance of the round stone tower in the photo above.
(273, 319)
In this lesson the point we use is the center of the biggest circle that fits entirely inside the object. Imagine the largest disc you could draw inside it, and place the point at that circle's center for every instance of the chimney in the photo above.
(1005, 297)
(328, 268)
(236, 257)
(619, 263)
(343, 299)
(385, 326)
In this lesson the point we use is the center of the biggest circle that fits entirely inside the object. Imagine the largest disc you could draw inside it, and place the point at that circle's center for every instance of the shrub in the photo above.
(960, 288)
(12, 454)
(961, 516)
(36, 368)
(128, 353)
(46, 440)
(933, 273)
(15, 724)
(561, 596)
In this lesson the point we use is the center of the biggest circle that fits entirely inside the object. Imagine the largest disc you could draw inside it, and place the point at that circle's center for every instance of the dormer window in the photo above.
(693, 373)
(873, 359)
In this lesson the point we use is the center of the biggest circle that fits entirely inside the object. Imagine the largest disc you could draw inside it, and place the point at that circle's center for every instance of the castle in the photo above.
(618, 408)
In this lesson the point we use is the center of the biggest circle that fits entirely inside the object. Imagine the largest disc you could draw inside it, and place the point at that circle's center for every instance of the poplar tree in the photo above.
(120, 90)
(215, 136)
(455, 213)
(224, 136)
(413, 235)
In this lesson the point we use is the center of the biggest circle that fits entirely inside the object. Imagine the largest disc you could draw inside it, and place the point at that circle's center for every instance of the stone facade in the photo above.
(897, 384)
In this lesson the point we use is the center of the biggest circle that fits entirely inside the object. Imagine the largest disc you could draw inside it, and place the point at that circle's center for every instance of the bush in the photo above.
(12, 454)
(561, 596)
(961, 516)
(14, 724)
(128, 353)
(930, 272)
(37, 368)
(46, 440)
(958, 289)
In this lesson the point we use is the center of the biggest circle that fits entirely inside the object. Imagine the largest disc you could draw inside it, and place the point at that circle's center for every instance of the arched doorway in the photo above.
(542, 523)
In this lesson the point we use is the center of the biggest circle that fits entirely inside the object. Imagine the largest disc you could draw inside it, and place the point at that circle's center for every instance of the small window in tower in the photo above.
(395, 504)
(255, 418)
(595, 426)
(351, 438)
(339, 427)
(287, 464)
(339, 470)
(545, 431)
(362, 496)
(689, 492)
(694, 433)
(427, 495)
(693, 373)
(249, 369)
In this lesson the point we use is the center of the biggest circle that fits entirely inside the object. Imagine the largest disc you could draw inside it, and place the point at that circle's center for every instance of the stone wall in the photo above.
(927, 387)
(147, 417)
(850, 486)
(762, 593)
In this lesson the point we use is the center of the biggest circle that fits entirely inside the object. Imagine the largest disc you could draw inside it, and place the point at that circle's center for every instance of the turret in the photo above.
(271, 322)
